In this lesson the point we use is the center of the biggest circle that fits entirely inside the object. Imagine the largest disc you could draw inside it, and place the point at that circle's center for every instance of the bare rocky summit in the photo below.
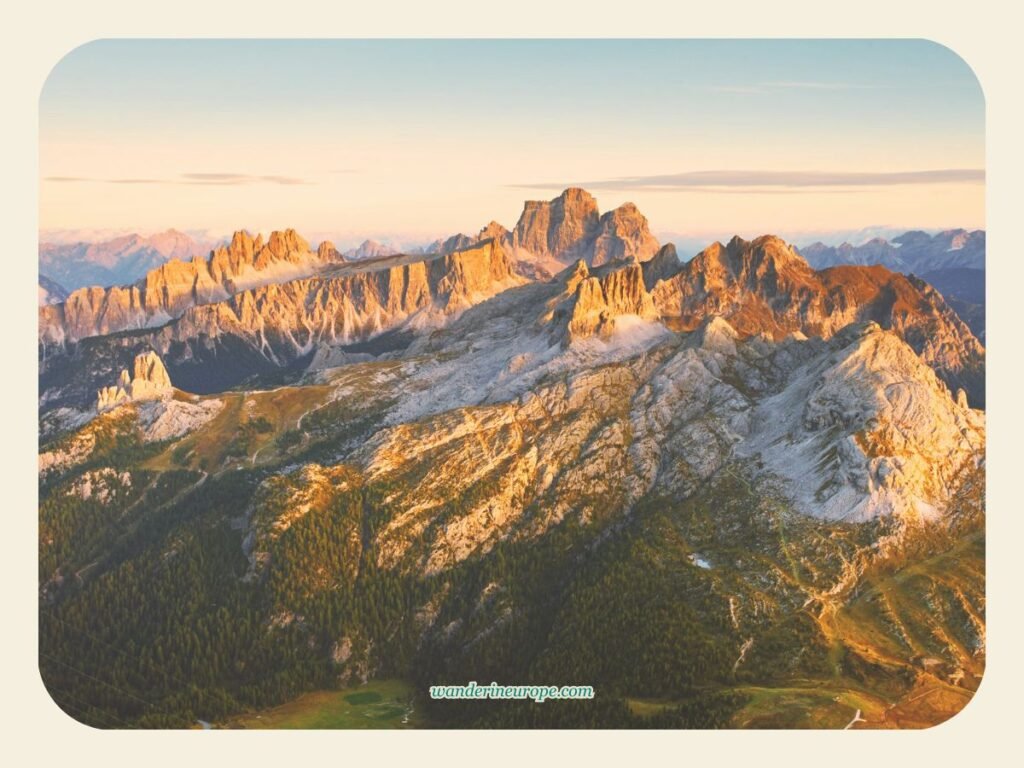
(148, 381)
(369, 249)
(570, 227)
(551, 234)
(557, 228)
(765, 287)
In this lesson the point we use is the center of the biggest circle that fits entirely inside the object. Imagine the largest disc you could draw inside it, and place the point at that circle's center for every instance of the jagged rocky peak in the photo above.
(875, 431)
(575, 274)
(570, 227)
(663, 265)
(855, 427)
(148, 380)
(558, 227)
(149, 373)
(239, 250)
(749, 282)
(284, 244)
(623, 233)
(494, 231)
(245, 251)
(454, 243)
(370, 249)
(593, 299)
(328, 253)
(746, 258)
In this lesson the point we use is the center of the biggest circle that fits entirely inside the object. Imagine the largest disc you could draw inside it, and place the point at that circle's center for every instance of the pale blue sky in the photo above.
(417, 138)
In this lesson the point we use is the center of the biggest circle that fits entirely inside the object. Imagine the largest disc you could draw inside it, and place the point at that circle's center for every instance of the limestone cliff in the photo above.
(622, 234)
(168, 290)
(559, 227)
(148, 381)
(289, 319)
(591, 302)
(570, 227)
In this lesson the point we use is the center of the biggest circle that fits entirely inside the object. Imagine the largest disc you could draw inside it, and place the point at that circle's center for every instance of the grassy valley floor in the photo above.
(380, 704)
(823, 705)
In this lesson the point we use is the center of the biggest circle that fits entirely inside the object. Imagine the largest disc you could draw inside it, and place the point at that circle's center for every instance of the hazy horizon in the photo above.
(348, 240)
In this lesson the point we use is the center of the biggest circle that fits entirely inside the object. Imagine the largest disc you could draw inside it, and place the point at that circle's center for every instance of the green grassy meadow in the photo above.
(380, 704)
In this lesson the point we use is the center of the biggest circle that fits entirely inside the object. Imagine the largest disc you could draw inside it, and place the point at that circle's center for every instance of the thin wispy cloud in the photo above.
(758, 190)
(817, 85)
(733, 89)
(204, 179)
(775, 86)
(239, 178)
(738, 181)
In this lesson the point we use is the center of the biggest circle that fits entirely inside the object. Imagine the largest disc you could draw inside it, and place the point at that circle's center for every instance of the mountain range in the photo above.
(953, 261)
(240, 306)
(915, 251)
(737, 491)
(116, 261)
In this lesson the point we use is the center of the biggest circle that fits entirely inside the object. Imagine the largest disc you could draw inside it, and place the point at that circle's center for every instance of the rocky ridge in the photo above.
(912, 252)
(215, 346)
(285, 320)
(765, 287)
(854, 428)
(170, 289)
(761, 287)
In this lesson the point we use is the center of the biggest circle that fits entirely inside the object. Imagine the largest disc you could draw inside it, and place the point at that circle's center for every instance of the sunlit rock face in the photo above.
(147, 381)
(765, 287)
(173, 287)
